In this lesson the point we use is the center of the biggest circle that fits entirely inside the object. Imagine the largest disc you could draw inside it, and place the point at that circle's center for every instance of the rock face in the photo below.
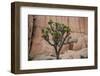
(81, 41)
(70, 54)
(44, 57)
(41, 50)
(46, 52)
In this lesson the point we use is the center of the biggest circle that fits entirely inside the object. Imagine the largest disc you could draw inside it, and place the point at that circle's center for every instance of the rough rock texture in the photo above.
(82, 41)
(41, 50)
(44, 51)
(70, 54)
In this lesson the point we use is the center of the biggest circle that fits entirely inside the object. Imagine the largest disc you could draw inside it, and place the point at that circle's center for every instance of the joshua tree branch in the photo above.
(68, 40)
(49, 42)
(51, 27)
(62, 36)
(63, 42)
(55, 48)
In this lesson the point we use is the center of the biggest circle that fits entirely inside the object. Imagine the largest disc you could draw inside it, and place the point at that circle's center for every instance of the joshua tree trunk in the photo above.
(57, 53)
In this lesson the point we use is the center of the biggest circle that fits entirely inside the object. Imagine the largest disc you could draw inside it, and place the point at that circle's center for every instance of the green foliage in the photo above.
(58, 32)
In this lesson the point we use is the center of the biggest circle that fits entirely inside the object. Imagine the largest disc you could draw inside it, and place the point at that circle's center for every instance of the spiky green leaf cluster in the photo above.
(56, 30)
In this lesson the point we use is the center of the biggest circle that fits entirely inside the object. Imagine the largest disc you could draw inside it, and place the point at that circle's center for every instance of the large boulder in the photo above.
(71, 54)
(82, 41)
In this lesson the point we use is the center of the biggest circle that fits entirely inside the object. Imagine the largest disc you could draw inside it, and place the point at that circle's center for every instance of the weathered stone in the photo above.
(44, 57)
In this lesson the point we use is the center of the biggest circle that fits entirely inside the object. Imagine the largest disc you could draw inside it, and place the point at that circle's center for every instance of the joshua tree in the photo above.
(57, 35)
